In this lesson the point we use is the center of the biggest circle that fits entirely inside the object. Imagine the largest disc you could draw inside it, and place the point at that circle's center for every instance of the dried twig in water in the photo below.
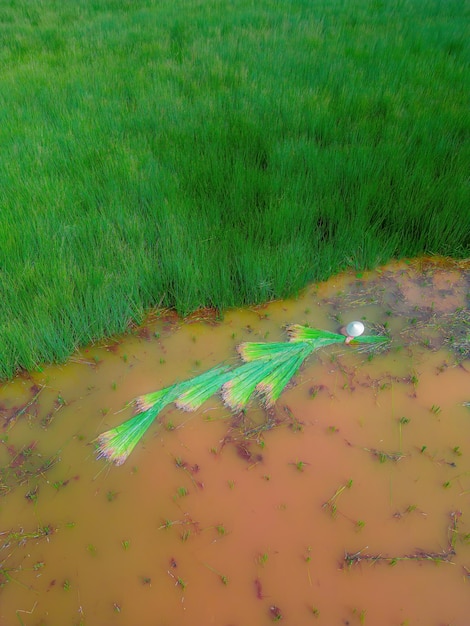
(354, 558)
(331, 503)
(385, 456)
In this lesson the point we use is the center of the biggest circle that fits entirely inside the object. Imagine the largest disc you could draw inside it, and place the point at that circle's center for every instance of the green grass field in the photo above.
(190, 153)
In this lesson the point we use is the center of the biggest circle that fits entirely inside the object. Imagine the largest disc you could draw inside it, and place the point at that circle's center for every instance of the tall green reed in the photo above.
(218, 154)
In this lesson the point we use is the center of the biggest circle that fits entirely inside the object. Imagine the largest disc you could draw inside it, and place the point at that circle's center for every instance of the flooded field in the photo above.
(347, 504)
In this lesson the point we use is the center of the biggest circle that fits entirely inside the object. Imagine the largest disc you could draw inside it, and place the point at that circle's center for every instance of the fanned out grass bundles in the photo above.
(271, 387)
(267, 370)
(117, 443)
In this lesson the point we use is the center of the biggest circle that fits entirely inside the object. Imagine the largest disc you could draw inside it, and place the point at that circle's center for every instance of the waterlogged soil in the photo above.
(348, 504)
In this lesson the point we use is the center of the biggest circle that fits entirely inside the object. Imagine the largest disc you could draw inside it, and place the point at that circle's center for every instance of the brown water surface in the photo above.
(350, 504)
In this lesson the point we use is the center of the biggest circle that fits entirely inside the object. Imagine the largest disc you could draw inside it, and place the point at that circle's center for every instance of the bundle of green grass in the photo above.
(266, 370)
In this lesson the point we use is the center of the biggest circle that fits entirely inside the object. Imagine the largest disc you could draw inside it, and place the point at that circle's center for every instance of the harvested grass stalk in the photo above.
(268, 374)
(271, 387)
(319, 338)
(203, 387)
(372, 339)
(143, 403)
(146, 402)
(116, 444)
(253, 351)
(236, 393)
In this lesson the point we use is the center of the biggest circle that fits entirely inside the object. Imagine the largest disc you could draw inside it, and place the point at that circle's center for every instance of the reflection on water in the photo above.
(348, 504)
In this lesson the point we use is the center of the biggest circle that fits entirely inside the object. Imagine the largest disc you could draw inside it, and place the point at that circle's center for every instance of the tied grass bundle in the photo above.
(116, 444)
(203, 387)
(271, 387)
(319, 338)
(267, 370)
(254, 351)
(236, 393)
(146, 402)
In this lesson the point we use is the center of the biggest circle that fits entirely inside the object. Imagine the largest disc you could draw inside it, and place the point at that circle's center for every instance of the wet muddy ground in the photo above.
(348, 504)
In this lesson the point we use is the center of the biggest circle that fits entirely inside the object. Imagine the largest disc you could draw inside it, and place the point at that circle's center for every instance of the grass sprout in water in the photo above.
(267, 370)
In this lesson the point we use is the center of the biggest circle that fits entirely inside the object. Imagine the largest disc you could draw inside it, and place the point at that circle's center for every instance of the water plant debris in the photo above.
(266, 370)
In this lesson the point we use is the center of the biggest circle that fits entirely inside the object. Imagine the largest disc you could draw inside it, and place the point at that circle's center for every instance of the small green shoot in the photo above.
(111, 496)
(223, 579)
(91, 549)
(308, 554)
(402, 422)
(300, 465)
(166, 524)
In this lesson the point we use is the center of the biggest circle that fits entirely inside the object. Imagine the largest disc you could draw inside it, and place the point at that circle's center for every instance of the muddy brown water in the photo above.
(350, 504)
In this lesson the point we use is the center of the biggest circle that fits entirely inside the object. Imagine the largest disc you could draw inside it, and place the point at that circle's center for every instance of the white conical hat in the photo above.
(354, 329)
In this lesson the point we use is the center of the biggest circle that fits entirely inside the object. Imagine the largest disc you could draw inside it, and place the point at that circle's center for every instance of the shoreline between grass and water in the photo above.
(193, 156)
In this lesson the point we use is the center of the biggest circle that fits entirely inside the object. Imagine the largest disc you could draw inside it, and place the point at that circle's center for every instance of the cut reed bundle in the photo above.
(236, 393)
(254, 351)
(319, 338)
(203, 387)
(267, 370)
(279, 362)
(116, 444)
(271, 387)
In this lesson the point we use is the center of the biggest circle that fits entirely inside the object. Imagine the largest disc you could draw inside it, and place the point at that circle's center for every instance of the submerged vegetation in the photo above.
(189, 154)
